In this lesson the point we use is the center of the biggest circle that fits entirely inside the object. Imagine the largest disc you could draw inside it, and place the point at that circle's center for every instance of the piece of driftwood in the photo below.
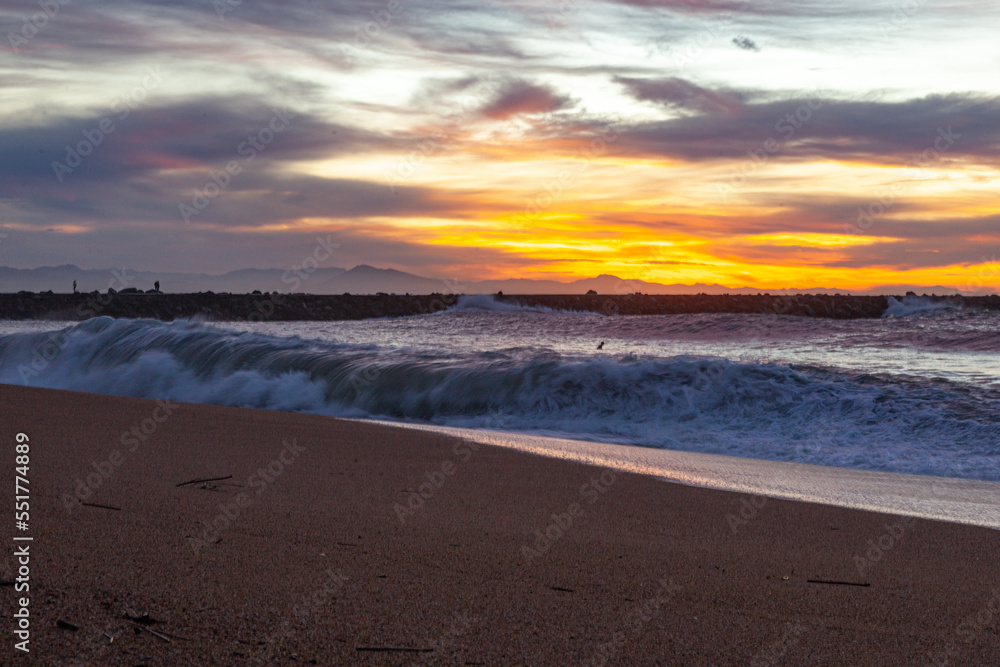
(66, 625)
(836, 583)
(156, 634)
(401, 649)
(207, 479)
(105, 507)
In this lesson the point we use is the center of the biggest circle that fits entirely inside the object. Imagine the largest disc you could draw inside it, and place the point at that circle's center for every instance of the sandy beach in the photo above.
(321, 541)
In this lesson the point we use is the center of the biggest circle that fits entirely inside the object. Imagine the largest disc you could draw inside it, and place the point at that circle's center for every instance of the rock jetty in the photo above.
(835, 306)
(804, 305)
(316, 307)
(217, 307)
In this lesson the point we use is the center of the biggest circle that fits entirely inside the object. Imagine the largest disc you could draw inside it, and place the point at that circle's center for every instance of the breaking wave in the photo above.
(704, 404)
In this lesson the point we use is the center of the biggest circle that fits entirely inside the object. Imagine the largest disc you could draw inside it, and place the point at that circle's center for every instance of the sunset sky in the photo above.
(767, 143)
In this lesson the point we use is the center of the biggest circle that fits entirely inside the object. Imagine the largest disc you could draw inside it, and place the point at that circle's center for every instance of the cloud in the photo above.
(143, 164)
(812, 127)
(768, 8)
(681, 94)
(337, 33)
(521, 97)
(250, 200)
(196, 134)
(745, 43)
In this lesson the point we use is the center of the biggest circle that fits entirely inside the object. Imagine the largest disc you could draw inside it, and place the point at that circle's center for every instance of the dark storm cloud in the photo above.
(140, 166)
(248, 200)
(923, 130)
(204, 133)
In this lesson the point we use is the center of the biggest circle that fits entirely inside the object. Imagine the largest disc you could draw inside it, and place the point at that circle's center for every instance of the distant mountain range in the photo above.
(364, 279)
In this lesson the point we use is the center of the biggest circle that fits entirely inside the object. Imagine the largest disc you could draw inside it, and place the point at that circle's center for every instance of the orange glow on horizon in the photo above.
(560, 209)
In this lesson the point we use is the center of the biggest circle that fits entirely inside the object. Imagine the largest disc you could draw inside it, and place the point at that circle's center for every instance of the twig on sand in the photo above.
(208, 479)
(403, 649)
(560, 588)
(838, 583)
(156, 634)
(106, 507)
(66, 625)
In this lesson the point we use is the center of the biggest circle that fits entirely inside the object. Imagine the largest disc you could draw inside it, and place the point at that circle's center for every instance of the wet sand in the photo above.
(333, 542)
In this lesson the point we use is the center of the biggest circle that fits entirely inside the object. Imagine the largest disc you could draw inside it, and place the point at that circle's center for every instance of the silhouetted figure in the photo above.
(156, 285)
(74, 287)
(600, 346)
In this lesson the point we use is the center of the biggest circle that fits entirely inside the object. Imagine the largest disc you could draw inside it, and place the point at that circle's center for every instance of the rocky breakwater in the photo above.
(305, 307)
(217, 307)
(803, 305)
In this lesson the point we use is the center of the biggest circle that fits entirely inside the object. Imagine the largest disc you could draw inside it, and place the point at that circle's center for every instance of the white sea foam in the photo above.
(912, 306)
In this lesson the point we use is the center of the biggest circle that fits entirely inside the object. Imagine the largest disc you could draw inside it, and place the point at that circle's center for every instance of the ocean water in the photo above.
(916, 392)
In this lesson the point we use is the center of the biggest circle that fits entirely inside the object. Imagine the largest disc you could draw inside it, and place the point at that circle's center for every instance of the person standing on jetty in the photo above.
(74, 287)
(156, 286)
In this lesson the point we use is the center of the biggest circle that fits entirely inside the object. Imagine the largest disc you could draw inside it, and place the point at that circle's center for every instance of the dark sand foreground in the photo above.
(322, 559)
